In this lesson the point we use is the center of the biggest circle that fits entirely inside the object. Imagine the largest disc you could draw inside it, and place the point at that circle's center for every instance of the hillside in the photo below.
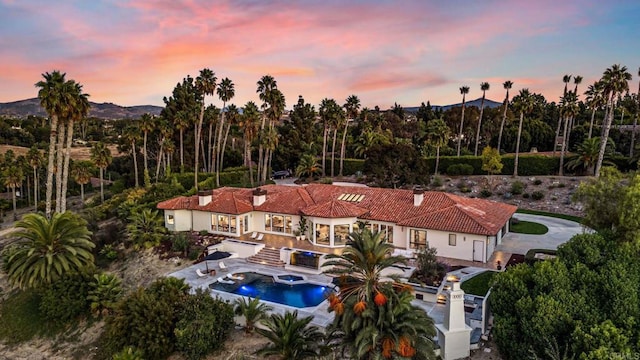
(487, 104)
(24, 108)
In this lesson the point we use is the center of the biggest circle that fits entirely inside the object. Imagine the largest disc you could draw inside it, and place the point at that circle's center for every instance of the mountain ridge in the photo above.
(24, 108)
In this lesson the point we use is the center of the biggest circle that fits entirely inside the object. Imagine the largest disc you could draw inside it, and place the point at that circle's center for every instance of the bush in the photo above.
(537, 182)
(65, 299)
(526, 195)
(517, 187)
(204, 325)
(531, 165)
(485, 193)
(437, 181)
(460, 169)
(537, 195)
(180, 243)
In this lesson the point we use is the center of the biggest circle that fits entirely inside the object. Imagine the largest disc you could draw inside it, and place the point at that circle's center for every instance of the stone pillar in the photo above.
(454, 335)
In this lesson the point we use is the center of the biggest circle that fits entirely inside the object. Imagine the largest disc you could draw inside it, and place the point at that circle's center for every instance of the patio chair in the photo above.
(254, 234)
(260, 236)
(223, 281)
(200, 273)
(222, 266)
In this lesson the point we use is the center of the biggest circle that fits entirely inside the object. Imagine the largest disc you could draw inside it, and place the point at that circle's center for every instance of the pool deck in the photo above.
(321, 315)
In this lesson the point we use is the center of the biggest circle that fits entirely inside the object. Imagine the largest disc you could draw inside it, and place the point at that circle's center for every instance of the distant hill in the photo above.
(24, 108)
(487, 104)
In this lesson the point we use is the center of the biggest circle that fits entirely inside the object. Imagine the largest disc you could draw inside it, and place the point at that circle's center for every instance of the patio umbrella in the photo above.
(216, 255)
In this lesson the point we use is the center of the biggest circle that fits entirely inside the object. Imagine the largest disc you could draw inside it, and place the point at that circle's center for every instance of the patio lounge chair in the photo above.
(254, 234)
(222, 266)
(223, 281)
(200, 273)
(260, 236)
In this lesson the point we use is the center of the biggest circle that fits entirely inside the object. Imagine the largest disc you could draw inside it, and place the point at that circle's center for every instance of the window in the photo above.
(245, 227)
(278, 223)
(387, 232)
(417, 239)
(267, 222)
(214, 222)
(322, 234)
(340, 233)
(452, 239)
(170, 220)
(223, 223)
(232, 224)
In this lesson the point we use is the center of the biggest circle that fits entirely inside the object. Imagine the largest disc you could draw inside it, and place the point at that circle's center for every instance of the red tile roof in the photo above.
(438, 210)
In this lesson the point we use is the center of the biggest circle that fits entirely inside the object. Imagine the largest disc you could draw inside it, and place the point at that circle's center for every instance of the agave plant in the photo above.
(104, 294)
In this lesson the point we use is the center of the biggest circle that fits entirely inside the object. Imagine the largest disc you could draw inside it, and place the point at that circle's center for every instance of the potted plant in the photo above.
(297, 234)
(302, 227)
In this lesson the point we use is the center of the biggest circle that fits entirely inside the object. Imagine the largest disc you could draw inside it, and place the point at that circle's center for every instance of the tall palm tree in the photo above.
(615, 81)
(232, 119)
(101, 157)
(484, 86)
(249, 125)
(324, 111)
(211, 116)
(464, 90)
(81, 172)
(132, 135)
(438, 136)
(635, 120)
(78, 112)
(595, 100)
(374, 317)
(337, 119)
(291, 338)
(265, 89)
(35, 159)
(524, 104)
(566, 79)
(568, 109)
(274, 112)
(146, 125)
(12, 176)
(54, 94)
(181, 121)
(577, 80)
(253, 311)
(352, 105)
(48, 249)
(226, 92)
(507, 86)
(205, 85)
(166, 133)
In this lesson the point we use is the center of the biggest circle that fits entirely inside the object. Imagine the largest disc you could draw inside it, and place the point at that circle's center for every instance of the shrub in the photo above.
(537, 182)
(526, 195)
(460, 169)
(485, 193)
(465, 190)
(180, 243)
(129, 353)
(537, 195)
(109, 252)
(561, 185)
(517, 187)
(428, 269)
(437, 181)
(65, 299)
(204, 325)
(105, 291)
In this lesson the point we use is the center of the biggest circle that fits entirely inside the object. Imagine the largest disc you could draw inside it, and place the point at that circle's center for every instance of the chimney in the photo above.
(454, 313)
(259, 196)
(418, 196)
(204, 197)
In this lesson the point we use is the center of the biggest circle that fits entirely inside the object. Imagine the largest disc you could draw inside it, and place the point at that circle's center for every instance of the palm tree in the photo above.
(253, 311)
(484, 86)
(524, 104)
(615, 81)
(635, 120)
(132, 135)
(438, 136)
(13, 176)
(181, 121)
(249, 126)
(507, 86)
(205, 85)
(568, 109)
(226, 91)
(352, 105)
(146, 125)
(166, 133)
(48, 249)
(211, 116)
(105, 292)
(577, 80)
(464, 90)
(78, 112)
(53, 96)
(266, 87)
(233, 116)
(35, 159)
(375, 318)
(101, 156)
(146, 229)
(337, 119)
(566, 79)
(595, 100)
(291, 338)
(81, 172)
(325, 116)
(308, 167)
(587, 155)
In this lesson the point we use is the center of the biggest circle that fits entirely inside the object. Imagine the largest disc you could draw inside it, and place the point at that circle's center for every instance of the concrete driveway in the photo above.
(560, 231)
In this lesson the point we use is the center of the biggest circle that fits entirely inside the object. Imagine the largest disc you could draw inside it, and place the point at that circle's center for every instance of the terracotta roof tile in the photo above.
(334, 209)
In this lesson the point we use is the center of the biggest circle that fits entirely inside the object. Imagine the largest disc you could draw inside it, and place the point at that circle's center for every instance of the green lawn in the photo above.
(544, 213)
(528, 227)
(479, 284)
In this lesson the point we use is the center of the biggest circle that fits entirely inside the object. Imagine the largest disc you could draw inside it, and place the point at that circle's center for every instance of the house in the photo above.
(459, 227)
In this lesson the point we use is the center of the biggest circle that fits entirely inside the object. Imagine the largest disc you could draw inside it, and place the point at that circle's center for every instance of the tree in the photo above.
(484, 86)
(602, 199)
(13, 176)
(81, 172)
(253, 311)
(226, 91)
(48, 249)
(146, 124)
(568, 109)
(438, 136)
(351, 106)
(131, 136)
(291, 338)
(491, 160)
(635, 119)
(615, 82)
(524, 104)
(507, 86)
(101, 156)
(587, 154)
(308, 167)
(35, 159)
(249, 125)
(233, 117)
(594, 101)
(205, 85)
(105, 292)
(146, 229)
(464, 90)
(566, 79)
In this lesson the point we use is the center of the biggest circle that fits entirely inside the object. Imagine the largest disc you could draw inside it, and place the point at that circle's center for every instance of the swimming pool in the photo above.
(253, 285)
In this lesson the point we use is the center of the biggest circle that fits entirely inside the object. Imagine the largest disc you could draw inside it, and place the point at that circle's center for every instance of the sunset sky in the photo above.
(133, 52)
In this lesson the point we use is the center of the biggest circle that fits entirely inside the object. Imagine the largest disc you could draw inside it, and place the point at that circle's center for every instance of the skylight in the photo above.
(351, 197)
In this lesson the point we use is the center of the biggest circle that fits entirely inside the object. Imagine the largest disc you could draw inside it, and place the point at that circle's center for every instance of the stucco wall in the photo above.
(181, 220)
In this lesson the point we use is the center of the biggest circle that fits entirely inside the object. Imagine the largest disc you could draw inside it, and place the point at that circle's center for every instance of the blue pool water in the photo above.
(263, 286)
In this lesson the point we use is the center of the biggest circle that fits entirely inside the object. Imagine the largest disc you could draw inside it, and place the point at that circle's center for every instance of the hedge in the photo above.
(528, 165)
(349, 166)
(208, 180)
